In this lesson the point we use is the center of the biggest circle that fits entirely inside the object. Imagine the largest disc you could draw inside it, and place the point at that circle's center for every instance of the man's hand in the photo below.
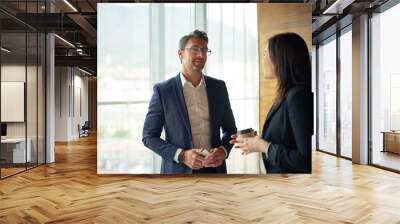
(193, 159)
(215, 158)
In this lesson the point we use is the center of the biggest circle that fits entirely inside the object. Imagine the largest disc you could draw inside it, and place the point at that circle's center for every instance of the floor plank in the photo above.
(70, 191)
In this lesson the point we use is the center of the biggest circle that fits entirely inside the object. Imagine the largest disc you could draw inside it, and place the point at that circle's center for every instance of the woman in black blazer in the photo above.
(286, 137)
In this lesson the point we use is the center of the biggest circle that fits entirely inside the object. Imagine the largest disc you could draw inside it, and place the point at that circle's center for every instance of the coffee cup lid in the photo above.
(245, 131)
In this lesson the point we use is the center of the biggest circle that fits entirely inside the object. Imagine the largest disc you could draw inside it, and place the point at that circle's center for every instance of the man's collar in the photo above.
(184, 80)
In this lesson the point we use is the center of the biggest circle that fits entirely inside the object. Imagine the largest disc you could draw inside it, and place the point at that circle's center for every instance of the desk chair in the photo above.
(84, 130)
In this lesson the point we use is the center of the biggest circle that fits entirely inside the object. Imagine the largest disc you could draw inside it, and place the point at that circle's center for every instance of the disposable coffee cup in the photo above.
(204, 152)
(246, 133)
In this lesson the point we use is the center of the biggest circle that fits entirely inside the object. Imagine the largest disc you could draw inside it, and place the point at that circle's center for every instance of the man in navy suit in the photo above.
(192, 108)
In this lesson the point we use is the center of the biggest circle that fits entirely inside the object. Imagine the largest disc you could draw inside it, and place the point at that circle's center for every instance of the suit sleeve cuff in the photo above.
(267, 149)
(176, 156)
(226, 151)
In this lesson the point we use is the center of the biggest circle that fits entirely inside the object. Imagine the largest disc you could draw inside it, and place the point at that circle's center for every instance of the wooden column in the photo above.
(274, 18)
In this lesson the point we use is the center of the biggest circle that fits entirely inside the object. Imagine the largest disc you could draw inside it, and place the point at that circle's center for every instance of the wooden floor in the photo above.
(387, 159)
(5, 172)
(70, 191)
(10, 171)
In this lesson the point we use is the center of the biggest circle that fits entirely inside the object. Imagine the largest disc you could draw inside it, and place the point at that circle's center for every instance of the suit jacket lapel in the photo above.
(182, 104)
(271, 113)
(211, 103)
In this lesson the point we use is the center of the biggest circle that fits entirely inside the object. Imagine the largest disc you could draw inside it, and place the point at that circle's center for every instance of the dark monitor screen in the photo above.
(3, 129)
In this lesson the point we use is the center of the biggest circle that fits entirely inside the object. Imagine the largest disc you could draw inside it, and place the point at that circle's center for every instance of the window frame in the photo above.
(379, 10)
(333, 37)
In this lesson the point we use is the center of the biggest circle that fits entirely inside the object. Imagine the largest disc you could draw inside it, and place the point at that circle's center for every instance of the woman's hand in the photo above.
(233, 139)
(249, 144)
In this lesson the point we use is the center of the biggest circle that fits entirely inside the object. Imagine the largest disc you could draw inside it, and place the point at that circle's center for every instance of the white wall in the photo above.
(62, 81)
(79, 117)
(12, 101)
(70, 83)
(16, 73)
(33, 126)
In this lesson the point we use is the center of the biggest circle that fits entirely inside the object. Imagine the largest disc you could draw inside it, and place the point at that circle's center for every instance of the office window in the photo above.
(314, 90)
(123, 84)
(13, 84)
(133, 56)
(22, 94)
(346, 94)
(174, 13)
(32, 101)
(232, 31)
(385, 88)
(327, 96)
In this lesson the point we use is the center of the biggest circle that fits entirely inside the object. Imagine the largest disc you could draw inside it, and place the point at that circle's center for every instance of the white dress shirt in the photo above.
(266, 149)
(196, 100)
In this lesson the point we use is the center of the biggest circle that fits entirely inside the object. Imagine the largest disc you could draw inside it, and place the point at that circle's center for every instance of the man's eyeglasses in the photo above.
(196, 50)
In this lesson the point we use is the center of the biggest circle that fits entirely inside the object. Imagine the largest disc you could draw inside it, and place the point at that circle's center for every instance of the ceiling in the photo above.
(333, 15)
(76, 22)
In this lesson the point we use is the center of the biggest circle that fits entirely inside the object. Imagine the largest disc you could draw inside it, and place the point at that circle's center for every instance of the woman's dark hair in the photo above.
(291, 59)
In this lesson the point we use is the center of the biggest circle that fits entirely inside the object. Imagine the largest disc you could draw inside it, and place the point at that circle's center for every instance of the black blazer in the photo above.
(289, 128)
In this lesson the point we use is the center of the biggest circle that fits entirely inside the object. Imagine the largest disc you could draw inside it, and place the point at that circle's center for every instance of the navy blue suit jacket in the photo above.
(167, 109)
(289, 128)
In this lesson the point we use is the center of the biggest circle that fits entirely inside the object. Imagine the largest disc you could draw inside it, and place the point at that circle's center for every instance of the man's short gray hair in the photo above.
(197, 34)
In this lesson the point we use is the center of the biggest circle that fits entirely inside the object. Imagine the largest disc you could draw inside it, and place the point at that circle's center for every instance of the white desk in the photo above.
(19, 149)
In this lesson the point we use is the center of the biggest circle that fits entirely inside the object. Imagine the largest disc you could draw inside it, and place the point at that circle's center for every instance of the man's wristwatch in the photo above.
(181, 156)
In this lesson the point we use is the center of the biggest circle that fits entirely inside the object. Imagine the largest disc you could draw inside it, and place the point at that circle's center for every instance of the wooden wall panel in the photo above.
(274, 18)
